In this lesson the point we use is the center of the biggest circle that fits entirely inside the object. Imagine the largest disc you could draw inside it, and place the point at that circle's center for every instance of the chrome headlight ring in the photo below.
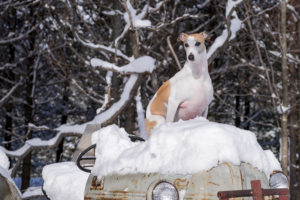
(164, 191)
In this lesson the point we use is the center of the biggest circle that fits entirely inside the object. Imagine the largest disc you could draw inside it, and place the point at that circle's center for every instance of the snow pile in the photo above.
(64, 181)
(4, 162)
(183, 147)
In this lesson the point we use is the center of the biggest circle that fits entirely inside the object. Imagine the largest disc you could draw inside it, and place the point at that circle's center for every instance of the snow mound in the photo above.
(4, 162)
(182, 147)
(64, 181)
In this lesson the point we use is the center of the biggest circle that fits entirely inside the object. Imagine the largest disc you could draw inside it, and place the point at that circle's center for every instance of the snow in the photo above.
(282, 109)
(230, 5)
(235, 26)
(290, 57)
(64, 181)
(31, 192)
(140, 65)
(182, 147)
(77, 129)
(4, 162)
(100, 46)
(219, 41)
(140, 115)
(137, 19)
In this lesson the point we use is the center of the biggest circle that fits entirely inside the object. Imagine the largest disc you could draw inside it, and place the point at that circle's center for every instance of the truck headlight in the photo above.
(164, 191)
(278, 180)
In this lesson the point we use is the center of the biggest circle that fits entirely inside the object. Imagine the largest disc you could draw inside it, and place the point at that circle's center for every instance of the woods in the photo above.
(66, 64)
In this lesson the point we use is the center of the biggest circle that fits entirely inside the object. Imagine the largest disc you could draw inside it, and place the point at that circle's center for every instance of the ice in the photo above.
(182, 147)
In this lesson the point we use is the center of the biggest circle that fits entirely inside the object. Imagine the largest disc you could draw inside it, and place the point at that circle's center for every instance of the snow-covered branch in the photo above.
(233, 26)
(36, 143)
(101, 47)
(20, 37)
(290, 57)
(185, 16)
(144, 64)
(111, 112)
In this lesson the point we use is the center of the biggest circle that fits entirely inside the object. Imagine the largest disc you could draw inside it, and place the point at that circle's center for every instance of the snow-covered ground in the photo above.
(182, 147)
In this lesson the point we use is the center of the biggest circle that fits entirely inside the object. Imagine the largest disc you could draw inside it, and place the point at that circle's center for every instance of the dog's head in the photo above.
(193, 44)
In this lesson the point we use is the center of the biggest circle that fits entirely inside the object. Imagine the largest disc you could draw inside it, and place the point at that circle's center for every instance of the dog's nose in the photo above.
(191, 57)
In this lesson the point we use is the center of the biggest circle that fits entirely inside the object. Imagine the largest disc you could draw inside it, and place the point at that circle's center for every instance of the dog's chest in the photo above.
(192, 90)
(193, 97)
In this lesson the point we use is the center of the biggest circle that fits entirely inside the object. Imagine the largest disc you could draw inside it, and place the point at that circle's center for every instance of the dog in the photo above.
(189, 92)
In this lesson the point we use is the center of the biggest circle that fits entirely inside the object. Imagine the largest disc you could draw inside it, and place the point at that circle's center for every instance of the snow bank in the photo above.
(183, 147)
(4, 162)
(64, 181)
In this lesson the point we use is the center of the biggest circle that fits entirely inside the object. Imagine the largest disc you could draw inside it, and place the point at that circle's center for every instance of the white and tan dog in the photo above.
(189, 92)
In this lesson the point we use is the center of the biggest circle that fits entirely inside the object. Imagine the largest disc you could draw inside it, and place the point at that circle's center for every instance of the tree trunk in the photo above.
(63, 120)
(293, 137)
(247, 113)
(29, 108)
(293, 112)
(284, 116)
(298, 95)
(237, 120)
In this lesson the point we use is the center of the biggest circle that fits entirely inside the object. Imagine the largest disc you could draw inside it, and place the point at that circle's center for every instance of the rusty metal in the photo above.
(96, 184)
(256, 192)
(202, 185)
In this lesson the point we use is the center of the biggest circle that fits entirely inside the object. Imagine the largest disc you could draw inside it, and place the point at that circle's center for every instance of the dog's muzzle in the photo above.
(191, 57)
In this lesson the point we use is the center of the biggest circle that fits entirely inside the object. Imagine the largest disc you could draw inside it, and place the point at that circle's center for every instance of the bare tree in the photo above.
(284, 116)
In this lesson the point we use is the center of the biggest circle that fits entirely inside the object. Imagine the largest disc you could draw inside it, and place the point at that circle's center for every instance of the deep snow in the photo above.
(182, 147)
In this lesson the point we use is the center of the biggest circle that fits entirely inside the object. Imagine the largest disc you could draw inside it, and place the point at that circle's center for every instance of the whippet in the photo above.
(189, 92)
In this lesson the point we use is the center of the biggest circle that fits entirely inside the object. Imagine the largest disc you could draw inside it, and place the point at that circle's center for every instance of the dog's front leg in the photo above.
(171, 109)
(204, 114)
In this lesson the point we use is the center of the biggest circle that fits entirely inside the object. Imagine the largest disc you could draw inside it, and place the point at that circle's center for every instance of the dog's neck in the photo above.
(198, 67)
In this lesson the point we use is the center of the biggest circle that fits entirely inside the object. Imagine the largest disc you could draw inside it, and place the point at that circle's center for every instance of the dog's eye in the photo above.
(197, 43)
(186, 45)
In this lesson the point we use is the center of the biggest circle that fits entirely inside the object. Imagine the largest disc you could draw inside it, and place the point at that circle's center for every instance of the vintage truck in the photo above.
(204, 185)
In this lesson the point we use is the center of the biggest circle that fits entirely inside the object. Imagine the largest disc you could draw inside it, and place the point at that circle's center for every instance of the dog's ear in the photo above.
(205, 35)
(182, 37)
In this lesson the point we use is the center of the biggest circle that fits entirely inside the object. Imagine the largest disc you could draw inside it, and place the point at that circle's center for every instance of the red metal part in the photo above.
(256, 192)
